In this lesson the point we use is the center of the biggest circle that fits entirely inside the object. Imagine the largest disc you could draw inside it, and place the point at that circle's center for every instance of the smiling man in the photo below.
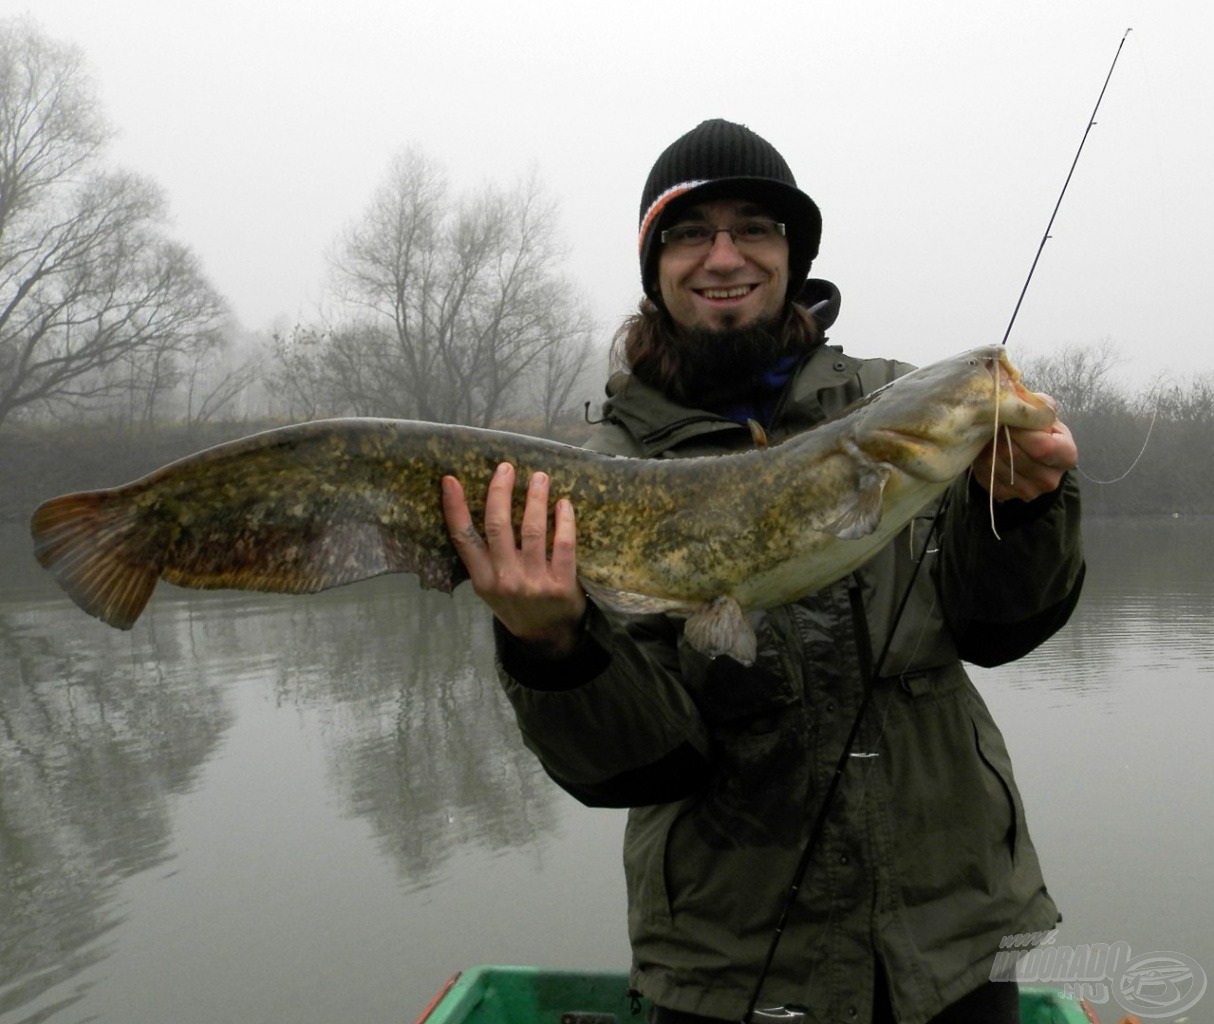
(720, 278)
(925, 863)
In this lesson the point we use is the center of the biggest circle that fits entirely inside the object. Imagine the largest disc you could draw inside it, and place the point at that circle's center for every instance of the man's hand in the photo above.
(538, 599)
(1033, 465)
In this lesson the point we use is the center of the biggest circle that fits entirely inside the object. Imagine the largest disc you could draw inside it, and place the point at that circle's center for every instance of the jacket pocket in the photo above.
(955, 813)
(994, 756)
(646, 850)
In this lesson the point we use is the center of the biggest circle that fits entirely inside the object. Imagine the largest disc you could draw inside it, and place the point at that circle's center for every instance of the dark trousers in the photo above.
(996, 1002)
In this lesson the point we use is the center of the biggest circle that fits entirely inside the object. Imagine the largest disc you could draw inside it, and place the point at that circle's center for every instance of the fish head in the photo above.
(933, 422)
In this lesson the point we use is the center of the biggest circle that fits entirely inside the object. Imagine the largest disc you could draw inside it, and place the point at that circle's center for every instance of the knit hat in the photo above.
(721, 160)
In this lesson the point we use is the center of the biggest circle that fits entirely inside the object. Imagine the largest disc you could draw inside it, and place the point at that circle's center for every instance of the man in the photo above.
(924, 864)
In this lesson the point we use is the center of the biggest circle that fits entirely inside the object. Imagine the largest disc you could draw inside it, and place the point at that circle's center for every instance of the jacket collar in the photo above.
(825, 382)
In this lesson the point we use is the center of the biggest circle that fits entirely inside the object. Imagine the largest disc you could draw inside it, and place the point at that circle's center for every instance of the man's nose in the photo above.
(723, 254)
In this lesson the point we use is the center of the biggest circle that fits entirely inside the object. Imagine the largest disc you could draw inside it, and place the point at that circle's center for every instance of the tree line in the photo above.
(443, 305)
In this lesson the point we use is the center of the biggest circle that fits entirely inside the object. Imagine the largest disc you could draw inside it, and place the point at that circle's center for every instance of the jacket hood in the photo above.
(823, 300)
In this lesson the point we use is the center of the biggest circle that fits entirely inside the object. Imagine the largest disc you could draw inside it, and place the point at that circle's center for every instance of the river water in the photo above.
(271, 809)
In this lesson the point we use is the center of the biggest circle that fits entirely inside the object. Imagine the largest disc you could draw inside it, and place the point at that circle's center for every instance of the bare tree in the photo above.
(94, 300)
(561, 370)
(1189, 403)
(1080, 378)
(453, 306)
(212, 385)
(295, 375)
(323, 370)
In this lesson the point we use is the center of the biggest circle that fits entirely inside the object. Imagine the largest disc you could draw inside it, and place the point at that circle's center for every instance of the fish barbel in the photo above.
(303, 508)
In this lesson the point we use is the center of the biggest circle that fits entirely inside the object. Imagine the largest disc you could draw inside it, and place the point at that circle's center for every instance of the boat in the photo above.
(492, 994)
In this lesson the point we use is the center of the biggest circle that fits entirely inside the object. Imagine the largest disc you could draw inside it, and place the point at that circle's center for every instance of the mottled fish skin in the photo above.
(316, 505)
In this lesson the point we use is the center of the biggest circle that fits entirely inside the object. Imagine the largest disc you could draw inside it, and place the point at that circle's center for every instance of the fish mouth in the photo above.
(1032, 398)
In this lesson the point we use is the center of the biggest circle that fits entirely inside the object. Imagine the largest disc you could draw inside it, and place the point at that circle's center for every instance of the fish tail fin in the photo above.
(82, 540)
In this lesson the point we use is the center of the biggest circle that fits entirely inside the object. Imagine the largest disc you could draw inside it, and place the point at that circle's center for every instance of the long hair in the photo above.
(647, 344)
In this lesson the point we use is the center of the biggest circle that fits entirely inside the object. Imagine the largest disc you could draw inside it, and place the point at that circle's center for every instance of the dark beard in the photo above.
(720, 367)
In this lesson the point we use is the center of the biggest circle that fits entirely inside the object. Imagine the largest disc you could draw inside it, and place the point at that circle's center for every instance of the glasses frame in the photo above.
(708, 243)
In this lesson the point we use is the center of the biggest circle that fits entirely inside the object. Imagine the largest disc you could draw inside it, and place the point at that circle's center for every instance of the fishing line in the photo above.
(1046, 236)
(1141, 452)
(868, 672)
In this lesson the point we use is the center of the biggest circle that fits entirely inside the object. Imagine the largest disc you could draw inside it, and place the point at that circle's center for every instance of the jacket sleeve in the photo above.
(1007, 587)
(611, 724)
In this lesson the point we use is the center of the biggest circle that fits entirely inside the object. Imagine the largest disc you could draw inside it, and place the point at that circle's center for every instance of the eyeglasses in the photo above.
(754, 232)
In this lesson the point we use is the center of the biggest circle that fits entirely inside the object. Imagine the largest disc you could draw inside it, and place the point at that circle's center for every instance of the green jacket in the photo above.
(925, 862)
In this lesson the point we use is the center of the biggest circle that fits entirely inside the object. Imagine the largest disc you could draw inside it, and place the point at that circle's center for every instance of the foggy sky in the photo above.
(935, 137)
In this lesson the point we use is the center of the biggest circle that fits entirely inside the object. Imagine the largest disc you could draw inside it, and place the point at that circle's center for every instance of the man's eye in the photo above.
(691, 232)
(753, 229)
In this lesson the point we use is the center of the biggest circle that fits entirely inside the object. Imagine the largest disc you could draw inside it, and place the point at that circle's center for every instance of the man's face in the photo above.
(724, 285)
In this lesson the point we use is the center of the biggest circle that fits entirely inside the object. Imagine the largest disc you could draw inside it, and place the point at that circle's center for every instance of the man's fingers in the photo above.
(455, 508)
(1026, 463)
(468, 542)
(504, 571)
(499, 529)
(564, 542)
(1044, 446)
(533, 533)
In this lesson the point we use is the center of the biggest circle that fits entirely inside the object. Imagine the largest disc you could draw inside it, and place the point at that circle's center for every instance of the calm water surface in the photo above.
(313, 809)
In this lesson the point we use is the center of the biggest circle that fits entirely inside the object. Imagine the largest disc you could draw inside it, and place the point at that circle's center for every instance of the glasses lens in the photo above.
(688, 236)
(755, 231)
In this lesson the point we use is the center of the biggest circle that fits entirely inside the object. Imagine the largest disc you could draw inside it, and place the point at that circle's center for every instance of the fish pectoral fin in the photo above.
(721, 627)
(862, 512)
(716, 628)
(631, 603)
(436, 565)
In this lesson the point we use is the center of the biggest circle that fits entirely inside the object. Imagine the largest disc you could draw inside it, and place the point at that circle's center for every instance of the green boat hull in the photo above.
(531, 995)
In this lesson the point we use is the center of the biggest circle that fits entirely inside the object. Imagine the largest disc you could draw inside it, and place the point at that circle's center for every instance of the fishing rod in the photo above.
(868, 677)
(1046, 236)
(869, 671)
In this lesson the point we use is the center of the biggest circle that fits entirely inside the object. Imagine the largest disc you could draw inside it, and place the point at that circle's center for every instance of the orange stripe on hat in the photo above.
(659, 204)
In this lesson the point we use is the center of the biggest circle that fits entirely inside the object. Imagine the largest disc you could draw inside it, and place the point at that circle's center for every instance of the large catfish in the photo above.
(317, 505)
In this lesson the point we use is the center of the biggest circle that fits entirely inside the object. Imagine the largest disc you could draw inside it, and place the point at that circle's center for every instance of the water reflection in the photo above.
(95, 737)
(99, 729)
(1146, 609)
(106, 736)
(1107, 728)
(420, 741)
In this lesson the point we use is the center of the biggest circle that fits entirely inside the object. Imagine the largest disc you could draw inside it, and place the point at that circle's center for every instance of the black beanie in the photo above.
(721, 160)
